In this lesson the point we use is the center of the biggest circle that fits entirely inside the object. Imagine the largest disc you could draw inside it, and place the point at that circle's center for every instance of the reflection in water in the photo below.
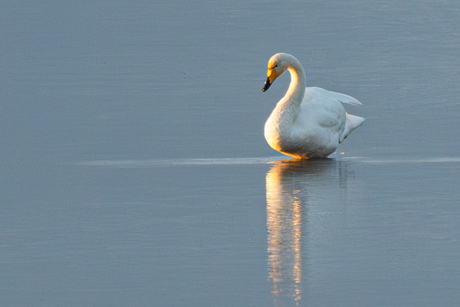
(288, 185)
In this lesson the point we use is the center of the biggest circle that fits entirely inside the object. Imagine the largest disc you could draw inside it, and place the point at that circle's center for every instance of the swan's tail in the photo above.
(351, 124)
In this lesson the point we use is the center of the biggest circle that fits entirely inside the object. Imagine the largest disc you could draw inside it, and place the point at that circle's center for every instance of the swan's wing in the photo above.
(333, 95)
(326, 108)
(320, 111)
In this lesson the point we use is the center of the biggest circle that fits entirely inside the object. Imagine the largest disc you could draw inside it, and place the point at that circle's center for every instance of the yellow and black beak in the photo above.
(271, 76)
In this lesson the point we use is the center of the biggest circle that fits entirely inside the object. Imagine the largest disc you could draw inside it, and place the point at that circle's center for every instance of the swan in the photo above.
(308, 122)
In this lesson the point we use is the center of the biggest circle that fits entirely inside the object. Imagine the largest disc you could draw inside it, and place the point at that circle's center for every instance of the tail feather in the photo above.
(351, 124)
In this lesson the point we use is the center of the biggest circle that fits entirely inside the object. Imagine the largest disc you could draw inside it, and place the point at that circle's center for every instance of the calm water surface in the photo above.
(135, 172)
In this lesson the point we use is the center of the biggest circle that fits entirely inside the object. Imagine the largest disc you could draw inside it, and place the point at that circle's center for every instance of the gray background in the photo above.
(134, 169)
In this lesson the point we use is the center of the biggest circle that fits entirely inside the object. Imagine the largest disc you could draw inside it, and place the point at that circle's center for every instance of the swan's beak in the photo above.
(271, 76)
(266, 85)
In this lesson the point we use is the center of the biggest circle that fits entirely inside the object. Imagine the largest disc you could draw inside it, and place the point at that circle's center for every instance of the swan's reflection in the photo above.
(289, 185)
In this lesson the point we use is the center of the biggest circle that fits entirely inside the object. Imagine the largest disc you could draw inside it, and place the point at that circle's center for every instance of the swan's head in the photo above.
(277, 65)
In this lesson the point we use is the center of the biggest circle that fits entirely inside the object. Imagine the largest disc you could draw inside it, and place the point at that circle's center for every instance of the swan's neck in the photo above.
(296, 90)
(278, 127)
(288, 106)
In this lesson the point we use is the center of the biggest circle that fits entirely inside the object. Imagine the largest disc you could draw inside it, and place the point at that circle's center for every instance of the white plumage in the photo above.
(308, 122)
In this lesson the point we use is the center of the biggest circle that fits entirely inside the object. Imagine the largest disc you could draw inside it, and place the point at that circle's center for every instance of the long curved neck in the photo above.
(296, 90)
(287, 109)
(278, 127)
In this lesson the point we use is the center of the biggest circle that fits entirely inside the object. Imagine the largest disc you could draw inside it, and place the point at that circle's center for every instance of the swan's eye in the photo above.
(276, 65)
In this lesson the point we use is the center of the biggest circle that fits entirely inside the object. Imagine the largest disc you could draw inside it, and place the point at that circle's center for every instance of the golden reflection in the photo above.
(287, 185)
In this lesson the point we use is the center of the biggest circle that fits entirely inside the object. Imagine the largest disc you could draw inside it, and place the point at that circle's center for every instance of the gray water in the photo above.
(135, 172)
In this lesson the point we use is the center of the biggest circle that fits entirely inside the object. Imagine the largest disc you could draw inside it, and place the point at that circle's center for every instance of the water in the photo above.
(135, 172)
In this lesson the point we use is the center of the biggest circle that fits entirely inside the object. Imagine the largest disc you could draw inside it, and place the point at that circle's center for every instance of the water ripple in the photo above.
(179, 162)
(254, 160)
(403, 160)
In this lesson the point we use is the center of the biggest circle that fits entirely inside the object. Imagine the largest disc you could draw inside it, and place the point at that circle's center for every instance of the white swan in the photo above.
(308, 122)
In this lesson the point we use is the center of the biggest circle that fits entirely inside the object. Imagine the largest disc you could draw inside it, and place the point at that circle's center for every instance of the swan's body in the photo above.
(308, 122)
